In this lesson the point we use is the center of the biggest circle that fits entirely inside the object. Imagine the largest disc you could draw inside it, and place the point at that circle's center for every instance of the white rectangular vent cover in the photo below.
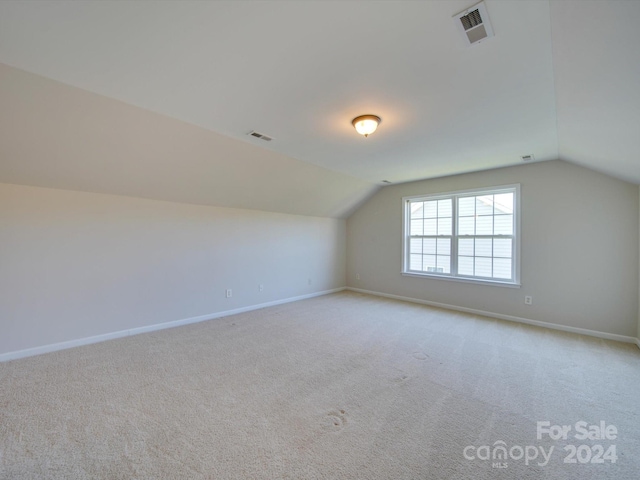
(474, 23)
(261, 136)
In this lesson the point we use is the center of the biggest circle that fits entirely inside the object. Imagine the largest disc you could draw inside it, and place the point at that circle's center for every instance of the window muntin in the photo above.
(467, 235)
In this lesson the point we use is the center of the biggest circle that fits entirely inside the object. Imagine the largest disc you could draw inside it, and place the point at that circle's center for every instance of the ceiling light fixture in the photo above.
(366, 124)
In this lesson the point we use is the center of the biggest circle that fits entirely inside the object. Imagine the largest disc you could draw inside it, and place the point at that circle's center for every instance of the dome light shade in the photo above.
(366, 124)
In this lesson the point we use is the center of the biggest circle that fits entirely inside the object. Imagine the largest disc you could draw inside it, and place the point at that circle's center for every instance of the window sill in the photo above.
(494, 283)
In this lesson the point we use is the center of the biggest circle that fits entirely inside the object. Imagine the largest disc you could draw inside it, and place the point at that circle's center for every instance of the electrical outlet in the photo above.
(528, 300)
(357, 276)
(261, 287)
(229, 293)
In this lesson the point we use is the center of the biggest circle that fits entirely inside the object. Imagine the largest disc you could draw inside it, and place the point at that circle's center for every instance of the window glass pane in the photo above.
(484, 229)
(430, 226)
(428, 261)
(431, 209)
(443, 263)
(444, 226)
(416, 227)
(416, 209)
(466, 226)
(503, 224)
(465, 246)
(483, 267)
(444, 246)
(415, 245)
(467, 207)
(484, 225)
(484, 205)
(444, 208)
(502, 247)
(503, 203)
(465, 265)
(483, 247)
(415, 262)
(502, 268)
(430, 246)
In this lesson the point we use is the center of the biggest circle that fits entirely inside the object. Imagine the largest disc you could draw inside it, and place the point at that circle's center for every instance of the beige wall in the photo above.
(579, 260)
(75, 265)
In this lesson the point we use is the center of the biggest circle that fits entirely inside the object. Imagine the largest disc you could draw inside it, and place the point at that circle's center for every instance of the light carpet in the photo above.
(345, 386)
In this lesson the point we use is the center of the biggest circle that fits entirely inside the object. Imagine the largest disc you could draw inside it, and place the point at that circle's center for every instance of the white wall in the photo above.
(580, 233)
(75, 265)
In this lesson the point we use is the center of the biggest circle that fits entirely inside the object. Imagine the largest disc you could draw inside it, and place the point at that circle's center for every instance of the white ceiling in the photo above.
(559, 80)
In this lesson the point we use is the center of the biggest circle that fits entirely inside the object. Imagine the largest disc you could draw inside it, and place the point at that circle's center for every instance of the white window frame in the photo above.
(453, 276)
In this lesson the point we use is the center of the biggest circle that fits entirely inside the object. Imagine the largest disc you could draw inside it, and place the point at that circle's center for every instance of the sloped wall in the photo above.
(57, 136)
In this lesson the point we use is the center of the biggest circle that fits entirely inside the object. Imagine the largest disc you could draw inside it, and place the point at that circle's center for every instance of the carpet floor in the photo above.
(345, 386)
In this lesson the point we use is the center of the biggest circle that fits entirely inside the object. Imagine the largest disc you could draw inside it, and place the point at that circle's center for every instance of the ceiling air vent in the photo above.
(474, 23)
(261, 136)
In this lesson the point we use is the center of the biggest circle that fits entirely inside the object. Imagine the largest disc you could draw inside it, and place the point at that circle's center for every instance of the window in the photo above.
(470, 235)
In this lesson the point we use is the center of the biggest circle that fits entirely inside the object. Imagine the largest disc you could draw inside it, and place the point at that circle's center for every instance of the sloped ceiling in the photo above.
(559, 80)
(54, 135)
(596, 50)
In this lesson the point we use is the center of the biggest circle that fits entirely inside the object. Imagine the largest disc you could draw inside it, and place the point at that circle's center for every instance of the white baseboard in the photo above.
(538, 323)
(29, 352)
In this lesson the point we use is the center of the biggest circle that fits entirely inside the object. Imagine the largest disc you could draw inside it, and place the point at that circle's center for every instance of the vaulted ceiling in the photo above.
(558, 80)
